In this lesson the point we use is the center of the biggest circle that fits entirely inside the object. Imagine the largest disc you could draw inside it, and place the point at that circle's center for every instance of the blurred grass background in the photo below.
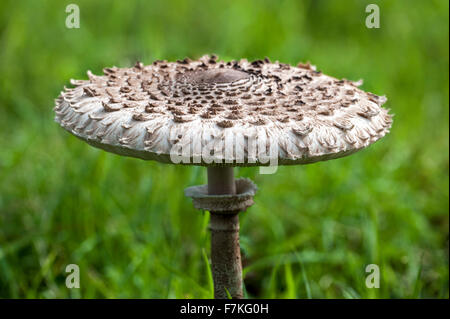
(314, 228)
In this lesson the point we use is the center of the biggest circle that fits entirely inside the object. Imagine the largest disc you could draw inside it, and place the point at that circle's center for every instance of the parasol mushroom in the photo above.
(221, 115)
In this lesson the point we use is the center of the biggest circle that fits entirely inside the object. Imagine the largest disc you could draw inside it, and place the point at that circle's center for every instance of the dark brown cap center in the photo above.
(216, 76)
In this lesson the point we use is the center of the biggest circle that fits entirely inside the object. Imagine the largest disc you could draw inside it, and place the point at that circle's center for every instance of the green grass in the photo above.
(314, 228)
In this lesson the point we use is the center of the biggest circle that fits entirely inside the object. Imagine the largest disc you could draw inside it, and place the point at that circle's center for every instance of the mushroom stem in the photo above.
(225, 250)
(221, 181)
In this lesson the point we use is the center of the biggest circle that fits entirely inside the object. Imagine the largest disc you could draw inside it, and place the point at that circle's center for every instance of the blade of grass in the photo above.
(209, 276)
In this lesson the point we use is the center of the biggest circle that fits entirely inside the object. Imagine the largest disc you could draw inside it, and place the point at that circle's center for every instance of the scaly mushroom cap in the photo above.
(238, 113)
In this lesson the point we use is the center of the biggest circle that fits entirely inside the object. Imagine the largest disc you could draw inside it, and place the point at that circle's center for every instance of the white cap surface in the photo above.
(237, 113)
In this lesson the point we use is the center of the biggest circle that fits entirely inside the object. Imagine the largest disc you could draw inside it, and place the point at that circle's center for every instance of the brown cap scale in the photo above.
(144, 111)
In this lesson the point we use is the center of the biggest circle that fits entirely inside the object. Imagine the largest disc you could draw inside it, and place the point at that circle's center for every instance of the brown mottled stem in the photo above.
(225, 250)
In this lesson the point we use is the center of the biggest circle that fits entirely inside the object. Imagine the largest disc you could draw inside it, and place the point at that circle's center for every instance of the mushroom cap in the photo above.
(208, 112)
